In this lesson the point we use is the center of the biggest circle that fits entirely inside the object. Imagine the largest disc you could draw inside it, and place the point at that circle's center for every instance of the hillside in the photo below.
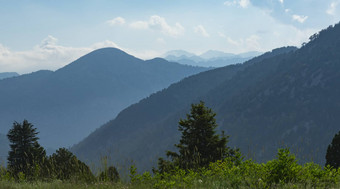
(144, 131)
(68, 104)
(277, 99)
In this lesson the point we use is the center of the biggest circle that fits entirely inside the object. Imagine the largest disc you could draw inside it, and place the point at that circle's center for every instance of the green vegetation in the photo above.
(199, 144)
(203, 160)
(282, 172)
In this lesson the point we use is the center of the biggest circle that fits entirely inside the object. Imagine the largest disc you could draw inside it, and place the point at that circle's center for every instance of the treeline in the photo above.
(27, 160)
(203, 160)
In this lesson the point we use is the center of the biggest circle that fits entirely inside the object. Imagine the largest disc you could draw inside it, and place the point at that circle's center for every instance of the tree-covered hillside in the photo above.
(143, 131)
(288, 97)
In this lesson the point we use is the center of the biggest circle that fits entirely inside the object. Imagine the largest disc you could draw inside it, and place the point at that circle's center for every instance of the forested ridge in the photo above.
(284, 98)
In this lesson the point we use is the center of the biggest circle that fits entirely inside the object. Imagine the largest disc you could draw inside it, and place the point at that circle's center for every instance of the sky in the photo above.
(48, 34)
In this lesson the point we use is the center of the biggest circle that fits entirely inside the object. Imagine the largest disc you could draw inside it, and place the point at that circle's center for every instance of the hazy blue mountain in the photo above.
(4, 75)
(211, 58)
(216, 54)
(144, 131)
(179, 53)
(68, 104)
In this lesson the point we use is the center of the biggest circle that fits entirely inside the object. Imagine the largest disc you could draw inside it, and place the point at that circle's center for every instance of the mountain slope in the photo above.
(144, 131)
(4, 75)
(68, 104)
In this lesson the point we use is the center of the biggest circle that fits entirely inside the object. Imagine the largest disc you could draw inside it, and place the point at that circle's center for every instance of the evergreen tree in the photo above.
(199, 144)
(66, 166)
(333, 152)
(26, 155)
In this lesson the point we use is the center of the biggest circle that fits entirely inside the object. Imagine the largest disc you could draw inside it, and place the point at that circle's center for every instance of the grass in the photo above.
(57, 184)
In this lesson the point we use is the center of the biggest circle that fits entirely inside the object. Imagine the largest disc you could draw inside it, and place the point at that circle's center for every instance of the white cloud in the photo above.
(201, 30)
(158, 23)
(244, 3)
(332, 8)
(230, 3)
(116, 21)
(250, 43)
(287, 10)
(233, 42)
(104, 44)
(4, 51)
(221, 34)
(161, 40)
(139, 25)
(281, 1)
(46, 55)
(299, 18)
(241, 3)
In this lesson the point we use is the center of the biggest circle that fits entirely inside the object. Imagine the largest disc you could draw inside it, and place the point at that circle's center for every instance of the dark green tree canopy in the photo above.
(333, 152)
(67, 166)
(199, 144)
(25, 151)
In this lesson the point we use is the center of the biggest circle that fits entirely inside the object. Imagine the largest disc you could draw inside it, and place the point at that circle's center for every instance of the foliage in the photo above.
(27, 160)
(333, 152)
(231, 172)
(26, 155)
(282, 172)
(283, 169)
(66, 166)
(110, 174)
(199, 144)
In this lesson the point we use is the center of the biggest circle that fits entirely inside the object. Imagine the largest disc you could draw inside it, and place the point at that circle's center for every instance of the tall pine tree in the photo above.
(199, 144)
(26, 154)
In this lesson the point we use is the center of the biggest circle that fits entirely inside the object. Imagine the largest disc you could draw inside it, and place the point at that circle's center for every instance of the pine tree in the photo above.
(199, 144)
(333, 152)
(67, 166)
(26, 155)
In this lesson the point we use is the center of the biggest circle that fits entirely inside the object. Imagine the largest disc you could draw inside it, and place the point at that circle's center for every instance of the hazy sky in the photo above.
(47, 34)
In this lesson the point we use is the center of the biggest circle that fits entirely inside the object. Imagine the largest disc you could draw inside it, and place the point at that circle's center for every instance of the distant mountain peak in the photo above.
(4, 75)
(215, 54)
(109, 51)
(179, 53)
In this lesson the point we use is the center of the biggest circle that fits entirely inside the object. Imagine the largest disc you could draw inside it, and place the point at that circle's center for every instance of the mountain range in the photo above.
(68, 104)
(4, 75)
(211, 58)
(288, 97)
